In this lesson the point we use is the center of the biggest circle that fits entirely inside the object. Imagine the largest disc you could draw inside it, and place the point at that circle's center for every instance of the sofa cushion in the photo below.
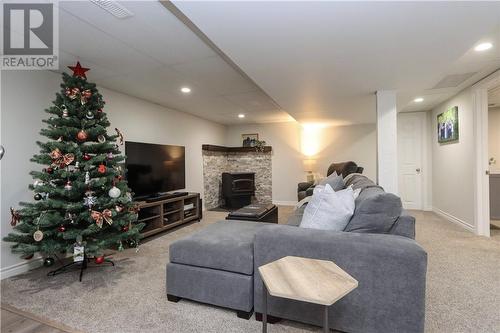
(329, 210)
(335, 181)
(296, 217)
(376, 211)
(224, 245)
(358, 181)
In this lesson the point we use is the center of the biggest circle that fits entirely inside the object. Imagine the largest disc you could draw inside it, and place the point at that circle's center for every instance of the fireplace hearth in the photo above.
(238, 188)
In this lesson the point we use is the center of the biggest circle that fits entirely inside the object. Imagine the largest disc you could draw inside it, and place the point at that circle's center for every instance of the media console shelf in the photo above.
(166, 214)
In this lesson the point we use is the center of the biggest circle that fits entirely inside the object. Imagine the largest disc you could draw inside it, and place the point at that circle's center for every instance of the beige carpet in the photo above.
(463, 288)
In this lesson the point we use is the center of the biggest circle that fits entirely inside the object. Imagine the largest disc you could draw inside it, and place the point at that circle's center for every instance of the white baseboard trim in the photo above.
(19, 268)
(454, 219)
(284, 203)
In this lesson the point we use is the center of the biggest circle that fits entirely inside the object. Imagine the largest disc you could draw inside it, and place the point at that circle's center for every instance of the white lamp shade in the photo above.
(309, 165)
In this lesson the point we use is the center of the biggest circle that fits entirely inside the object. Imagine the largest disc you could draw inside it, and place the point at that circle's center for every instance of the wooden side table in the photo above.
(308, 280)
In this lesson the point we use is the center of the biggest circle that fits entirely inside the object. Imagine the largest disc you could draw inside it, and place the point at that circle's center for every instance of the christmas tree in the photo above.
(81, 197)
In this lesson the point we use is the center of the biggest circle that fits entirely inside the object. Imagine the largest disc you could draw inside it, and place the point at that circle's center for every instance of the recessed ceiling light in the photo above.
(483, 47)
(241, 115)
(186, 90)
(418, 100)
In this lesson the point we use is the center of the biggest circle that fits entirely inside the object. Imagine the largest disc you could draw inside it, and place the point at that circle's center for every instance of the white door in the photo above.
(410, 157)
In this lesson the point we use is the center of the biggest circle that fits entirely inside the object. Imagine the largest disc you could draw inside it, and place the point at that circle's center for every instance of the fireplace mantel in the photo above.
(223, 149)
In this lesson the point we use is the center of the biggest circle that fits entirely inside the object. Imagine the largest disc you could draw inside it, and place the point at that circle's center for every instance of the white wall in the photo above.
(331, 144)
(453, 164)
(25, 94)
(494, 138)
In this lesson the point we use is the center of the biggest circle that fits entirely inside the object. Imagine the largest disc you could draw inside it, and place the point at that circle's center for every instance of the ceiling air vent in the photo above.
(453, 81)
(114, 8)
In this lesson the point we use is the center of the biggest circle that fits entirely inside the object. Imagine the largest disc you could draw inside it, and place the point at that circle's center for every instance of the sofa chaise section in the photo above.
(390, 270)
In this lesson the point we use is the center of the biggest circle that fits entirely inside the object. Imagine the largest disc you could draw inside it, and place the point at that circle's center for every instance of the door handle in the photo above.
(417, 170)
(487, 172)
(2, 151)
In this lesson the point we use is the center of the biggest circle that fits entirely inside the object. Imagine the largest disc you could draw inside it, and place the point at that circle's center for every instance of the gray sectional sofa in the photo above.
(218, 265)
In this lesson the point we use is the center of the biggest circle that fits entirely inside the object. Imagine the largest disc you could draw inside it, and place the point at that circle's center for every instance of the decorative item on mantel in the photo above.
(260, 146)
(250, 140)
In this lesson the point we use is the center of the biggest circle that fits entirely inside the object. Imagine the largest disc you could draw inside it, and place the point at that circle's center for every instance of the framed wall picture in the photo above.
(249, 140)
(447, 126)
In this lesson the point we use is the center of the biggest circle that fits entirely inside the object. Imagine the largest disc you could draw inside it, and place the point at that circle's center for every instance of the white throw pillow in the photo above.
(329, 210)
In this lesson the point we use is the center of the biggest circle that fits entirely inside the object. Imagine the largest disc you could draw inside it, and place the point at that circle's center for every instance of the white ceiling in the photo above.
(324, 60)
(151, 55)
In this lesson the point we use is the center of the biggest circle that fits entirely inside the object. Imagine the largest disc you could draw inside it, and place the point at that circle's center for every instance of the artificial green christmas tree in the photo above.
(82, 201)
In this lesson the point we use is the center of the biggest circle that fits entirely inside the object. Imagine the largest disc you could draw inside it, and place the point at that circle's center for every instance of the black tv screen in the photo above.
(153, 168)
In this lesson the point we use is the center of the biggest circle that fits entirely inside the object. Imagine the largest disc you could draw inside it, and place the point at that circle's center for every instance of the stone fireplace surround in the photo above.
(219, 159)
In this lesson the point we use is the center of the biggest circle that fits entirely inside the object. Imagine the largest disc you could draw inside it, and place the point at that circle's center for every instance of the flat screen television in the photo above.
(154, 169)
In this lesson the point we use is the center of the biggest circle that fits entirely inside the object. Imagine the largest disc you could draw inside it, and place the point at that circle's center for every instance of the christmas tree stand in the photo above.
(82, 266)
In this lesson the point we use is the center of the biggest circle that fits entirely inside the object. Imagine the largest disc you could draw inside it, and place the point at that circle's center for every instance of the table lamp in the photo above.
(309, 166)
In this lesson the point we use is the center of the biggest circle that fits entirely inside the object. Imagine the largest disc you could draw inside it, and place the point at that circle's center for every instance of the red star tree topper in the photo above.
(78, 70)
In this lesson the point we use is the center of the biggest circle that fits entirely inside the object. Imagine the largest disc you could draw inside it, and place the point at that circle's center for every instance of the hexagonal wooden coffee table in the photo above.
(303, 279)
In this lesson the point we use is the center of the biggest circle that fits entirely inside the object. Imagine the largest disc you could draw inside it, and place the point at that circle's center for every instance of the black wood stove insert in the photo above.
(238, 188)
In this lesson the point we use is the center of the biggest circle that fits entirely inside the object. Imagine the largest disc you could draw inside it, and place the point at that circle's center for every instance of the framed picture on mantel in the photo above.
(447, 126)
(249, 140)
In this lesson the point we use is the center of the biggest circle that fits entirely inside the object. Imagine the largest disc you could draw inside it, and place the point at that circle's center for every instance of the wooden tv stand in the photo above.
(169, 213)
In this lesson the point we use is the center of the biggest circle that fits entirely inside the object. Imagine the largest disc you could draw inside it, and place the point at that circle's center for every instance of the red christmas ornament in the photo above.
(84, 97)
(86, 157)
(100, 111)
(101, 168)
(99, 260)
(15, 217)
(72, 93)
(78, 70)
(49, 170)
(62, 228)
(82, 135)
(125, 228)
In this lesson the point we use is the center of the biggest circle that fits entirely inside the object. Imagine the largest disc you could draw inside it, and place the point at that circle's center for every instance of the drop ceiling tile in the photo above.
(162, 86)
(153, 30)
(215, 74)
(96, 72)
(85, 41)
(252, 101)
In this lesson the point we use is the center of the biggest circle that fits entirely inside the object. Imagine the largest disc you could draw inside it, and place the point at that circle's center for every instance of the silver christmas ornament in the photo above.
(38, 182)
(89, 115)
(65, 112)
(89, 200)
(114, 192)
(101, 138)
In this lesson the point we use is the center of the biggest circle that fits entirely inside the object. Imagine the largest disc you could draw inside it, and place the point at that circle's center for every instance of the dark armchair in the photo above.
(305, 189)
